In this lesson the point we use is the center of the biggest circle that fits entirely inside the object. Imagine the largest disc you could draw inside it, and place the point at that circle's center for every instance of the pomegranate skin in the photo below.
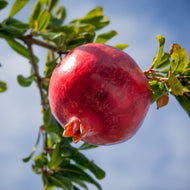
(99, 94)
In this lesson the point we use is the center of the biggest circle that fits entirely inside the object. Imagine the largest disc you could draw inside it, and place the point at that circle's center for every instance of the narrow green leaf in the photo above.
(82, 160)
(43, 20)
(50, 123)
(98, 22)
(19, 48)
(25, 81)
(40, 160)
(184, 102)
(74, 172)
(98, 11)
(84, 38)
(11, 31)
(3, 86)
(33, 150)
(17, 6)
(121, 46)
(104, 37)
(175, 85)
(179, 59)
(17, 23)
(3, 4)
(164, 61)
(86, 146)
(157, 59)
(51, 4)
(61, 13)
(66, 149)
(56, 158)
(186, 72)
(61, 181)
(36, 11)
(55, 23)
(80, 183)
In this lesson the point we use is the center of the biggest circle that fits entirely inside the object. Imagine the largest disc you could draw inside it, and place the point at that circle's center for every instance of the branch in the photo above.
(29, 40)
(149, 76)
(36, 73)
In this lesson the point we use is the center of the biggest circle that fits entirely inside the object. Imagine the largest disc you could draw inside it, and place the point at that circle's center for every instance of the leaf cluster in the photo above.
(170, 73)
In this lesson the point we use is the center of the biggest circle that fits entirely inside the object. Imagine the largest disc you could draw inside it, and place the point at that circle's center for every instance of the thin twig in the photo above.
(153, 77)
(30, 40)
(37, 75)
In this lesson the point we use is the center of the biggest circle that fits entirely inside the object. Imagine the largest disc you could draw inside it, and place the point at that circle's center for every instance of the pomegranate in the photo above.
(99, 94)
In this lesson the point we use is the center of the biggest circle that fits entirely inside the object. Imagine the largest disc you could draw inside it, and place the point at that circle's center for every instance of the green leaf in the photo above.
(19, 48)
(17, 6)
(121, 46)
(164, 61)
(157, 59)
(33, 150)
(61, 13)
(86, 146)
(104, 37)
(184, 102)
(179, 59)
(51, 4)
(98, 11)
(3, 86)
(80, 159)
(43, 20)
(158, 89)
(36, 11)
(50, 123)
(17, 23)
(25, 81)
(54, 23)
(3, 4)
(186, 72)
(175, 85)
(98, 22)
(40, 160)
(11, 31)
(74, 172)
(80, 40)
(61, 181)
(56, 158)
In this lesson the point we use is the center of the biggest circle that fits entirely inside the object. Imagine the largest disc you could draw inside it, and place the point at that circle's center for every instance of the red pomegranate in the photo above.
(99, 94)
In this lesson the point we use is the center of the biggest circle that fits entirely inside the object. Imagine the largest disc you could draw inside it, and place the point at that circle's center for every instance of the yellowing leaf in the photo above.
(179, 58)
(175, 85)
(98, 11)
(121, 46)
(104, 37)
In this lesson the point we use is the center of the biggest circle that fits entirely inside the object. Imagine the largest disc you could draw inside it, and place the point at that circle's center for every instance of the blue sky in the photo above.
(158, 156)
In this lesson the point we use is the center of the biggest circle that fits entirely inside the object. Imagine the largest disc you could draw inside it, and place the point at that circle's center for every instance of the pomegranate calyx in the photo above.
(74, 129)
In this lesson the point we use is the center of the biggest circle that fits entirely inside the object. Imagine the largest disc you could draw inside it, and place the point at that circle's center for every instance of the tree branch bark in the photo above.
(30, 40)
